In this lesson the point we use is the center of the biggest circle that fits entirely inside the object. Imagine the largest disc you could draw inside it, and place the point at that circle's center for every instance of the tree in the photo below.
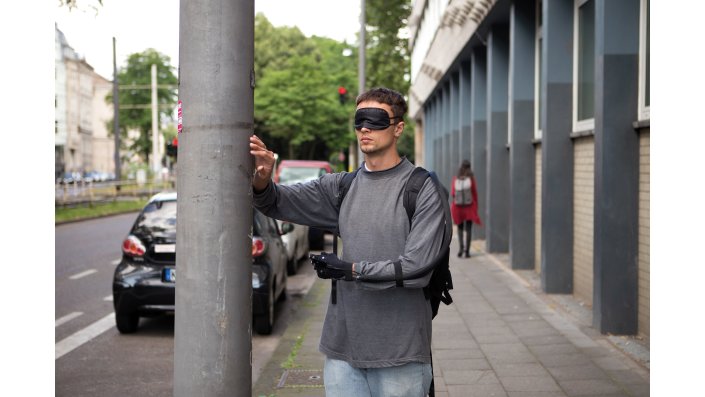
(297, 107)
(138, 75)
(73, 4)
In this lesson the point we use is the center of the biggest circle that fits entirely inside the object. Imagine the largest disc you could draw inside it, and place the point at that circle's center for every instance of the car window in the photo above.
(157, 218)
(264, 225)
(292, 175)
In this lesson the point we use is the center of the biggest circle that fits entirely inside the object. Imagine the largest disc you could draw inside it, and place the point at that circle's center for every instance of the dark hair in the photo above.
(465, 169)
(384, 95)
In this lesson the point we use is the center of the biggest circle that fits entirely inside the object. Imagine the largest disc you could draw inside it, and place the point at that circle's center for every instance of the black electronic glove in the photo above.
(328, 265)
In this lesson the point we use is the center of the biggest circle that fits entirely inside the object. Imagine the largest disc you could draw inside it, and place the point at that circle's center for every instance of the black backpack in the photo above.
(441, 281)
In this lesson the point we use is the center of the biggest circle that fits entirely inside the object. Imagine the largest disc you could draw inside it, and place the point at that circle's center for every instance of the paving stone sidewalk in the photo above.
(500, 337)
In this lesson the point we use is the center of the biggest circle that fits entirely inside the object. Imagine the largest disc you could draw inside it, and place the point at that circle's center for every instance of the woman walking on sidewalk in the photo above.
(463, 208)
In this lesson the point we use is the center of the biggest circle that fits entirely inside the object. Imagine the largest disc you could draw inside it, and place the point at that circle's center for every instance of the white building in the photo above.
(81, 137)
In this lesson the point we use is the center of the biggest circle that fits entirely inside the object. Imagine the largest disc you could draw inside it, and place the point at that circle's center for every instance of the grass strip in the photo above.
(290, 361)
(97, 210)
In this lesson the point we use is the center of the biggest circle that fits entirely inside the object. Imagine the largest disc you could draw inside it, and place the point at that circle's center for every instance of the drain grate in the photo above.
(298, 378)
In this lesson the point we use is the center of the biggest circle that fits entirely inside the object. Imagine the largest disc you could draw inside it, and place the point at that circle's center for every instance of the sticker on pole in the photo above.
(180, 117)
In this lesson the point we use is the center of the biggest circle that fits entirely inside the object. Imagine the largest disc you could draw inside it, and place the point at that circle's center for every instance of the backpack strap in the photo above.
(343, 188)
(412, 188)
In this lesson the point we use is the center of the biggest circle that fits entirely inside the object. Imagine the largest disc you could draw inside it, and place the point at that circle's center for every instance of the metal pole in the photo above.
(116, 117)
(361, 68)
(155, 125)
(212, 342)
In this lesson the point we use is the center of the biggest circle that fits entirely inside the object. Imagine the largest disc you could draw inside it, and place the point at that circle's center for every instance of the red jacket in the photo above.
(462, 213)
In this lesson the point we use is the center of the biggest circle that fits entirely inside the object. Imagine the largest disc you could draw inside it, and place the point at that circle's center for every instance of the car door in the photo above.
(277, 253)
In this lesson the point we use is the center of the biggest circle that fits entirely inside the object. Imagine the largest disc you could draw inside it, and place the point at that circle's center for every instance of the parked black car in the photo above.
(144, 281)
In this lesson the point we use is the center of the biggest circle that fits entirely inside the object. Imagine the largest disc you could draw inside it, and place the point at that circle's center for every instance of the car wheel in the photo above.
(127, 323)
(264, 322)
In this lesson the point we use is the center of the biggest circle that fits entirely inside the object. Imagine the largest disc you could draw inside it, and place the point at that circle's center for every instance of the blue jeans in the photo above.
(408, 380)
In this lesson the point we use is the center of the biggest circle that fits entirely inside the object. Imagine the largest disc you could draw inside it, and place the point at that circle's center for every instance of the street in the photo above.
(92, 357)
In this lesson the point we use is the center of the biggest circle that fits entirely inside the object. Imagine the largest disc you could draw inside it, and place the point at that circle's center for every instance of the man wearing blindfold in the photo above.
(376, 335)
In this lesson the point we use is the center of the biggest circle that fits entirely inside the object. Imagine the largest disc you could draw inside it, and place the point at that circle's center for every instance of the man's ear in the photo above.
(399, 128)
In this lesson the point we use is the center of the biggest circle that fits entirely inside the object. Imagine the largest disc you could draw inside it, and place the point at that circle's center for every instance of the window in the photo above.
(644, 61)
(538, 123)
(584, 66)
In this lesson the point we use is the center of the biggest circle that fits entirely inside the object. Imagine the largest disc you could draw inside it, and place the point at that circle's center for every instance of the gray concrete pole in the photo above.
(116, 117)
(361, 69)
(212, 343)
(155, 124)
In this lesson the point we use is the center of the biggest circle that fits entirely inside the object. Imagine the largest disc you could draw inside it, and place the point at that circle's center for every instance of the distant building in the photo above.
(550, 102)
(81, 136)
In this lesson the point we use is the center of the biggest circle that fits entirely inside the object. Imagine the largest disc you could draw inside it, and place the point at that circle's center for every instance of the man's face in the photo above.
(377, 141)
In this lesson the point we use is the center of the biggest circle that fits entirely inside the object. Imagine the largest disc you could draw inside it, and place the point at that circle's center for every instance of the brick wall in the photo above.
(644, 231)
(583, 218)
(537, 250)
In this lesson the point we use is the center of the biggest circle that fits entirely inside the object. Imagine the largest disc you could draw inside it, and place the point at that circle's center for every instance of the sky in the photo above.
(141, 24)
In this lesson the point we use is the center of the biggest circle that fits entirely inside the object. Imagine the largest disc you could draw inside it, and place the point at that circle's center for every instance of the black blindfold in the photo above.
(373, 118)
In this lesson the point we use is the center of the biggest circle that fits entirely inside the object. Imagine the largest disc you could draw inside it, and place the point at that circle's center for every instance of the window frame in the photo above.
(538, 53)
(644, 111)
(586, 124)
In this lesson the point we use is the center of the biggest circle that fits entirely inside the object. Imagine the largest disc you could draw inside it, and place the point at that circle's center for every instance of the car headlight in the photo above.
(256, 283)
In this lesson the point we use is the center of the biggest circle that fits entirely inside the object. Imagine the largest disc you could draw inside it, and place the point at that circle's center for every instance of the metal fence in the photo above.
(88, 193)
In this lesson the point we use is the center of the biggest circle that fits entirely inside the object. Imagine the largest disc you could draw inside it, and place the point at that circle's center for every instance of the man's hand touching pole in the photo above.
(264, 163)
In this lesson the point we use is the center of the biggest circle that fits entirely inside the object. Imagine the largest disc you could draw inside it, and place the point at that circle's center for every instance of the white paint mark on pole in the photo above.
(79, 338)
(83, 274)
(67, 318)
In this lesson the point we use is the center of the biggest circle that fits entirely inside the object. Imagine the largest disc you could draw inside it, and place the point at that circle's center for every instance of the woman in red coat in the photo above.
(463, 208)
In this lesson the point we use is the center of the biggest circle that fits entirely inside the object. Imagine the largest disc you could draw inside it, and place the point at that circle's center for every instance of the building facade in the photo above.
(81, 138)
(549, 100)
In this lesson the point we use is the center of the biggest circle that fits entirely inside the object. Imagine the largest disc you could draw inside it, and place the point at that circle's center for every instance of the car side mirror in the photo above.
(287, 227)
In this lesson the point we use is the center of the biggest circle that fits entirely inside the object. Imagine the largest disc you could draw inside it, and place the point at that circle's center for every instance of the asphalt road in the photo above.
(92, 357)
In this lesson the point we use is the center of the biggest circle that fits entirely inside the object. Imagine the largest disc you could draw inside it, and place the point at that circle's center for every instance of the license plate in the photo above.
(169, 275)
(165, 248)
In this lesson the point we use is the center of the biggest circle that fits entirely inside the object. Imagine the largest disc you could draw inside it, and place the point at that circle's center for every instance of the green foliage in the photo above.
(297, 110)
(73, 4)
(138, 72)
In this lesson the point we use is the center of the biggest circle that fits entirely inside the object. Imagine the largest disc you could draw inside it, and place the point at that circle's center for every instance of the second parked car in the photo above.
(290, 172)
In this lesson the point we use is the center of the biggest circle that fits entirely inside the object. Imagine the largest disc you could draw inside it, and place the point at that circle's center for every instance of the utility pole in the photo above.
(155, 124)
(212, 342)
(116, 118)
(361, 69)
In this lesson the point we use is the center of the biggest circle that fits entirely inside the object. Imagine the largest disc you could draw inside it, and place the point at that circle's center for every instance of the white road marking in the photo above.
(67, 318)
(83, 274)
(108, 298)
(65, 346)
(115, 262)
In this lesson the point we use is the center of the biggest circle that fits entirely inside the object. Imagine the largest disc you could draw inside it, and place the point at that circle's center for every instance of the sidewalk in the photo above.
(501, 336)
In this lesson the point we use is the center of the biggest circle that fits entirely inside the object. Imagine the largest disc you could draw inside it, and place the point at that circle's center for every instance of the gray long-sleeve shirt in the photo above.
(372, 324)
